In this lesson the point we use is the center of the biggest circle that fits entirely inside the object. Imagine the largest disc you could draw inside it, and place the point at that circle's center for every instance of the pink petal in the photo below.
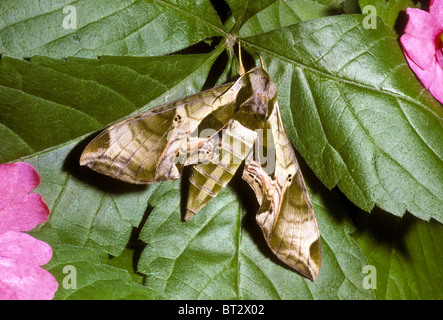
(422, 24)
(6, 293)
(19, 210)
(436, 10)
(23, 247)
(431, 79)
(439, 56)
(420, 51)
(22, 214)
(21, 276)
(419, 40)
(19, 177)
(436, 88)
(25, 281)
(426, 76)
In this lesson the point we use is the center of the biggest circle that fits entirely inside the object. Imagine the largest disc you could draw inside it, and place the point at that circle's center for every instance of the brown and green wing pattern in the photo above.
(286, 216)
(151, 146)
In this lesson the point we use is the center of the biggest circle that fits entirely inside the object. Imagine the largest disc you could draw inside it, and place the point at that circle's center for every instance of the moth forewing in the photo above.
(286, 216)
(138, 149)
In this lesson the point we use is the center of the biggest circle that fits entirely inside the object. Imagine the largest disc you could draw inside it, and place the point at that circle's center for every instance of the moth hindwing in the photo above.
(215, 131)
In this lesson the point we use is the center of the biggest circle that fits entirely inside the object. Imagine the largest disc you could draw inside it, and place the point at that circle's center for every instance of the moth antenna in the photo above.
(241, 68)
(261, 61)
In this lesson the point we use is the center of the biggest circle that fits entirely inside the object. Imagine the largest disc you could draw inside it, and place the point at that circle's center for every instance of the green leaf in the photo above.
(46, 102)
(356, 113)
(242, 10)
(349, 103)
(82, 275)
(282, 14)
(81, 214)
(221, 254)
(407, 254)
(117, 27)
(387, 10)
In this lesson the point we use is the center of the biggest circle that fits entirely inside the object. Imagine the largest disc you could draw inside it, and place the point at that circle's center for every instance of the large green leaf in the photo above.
(387, 10)
(117, 27)
(357, 114)
(94, 279)
(397, 248)
(284, 13)
(47, 101)
(278, 13)
(350, 104)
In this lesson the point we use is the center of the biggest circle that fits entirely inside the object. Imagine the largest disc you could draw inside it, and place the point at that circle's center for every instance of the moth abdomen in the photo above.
(208, 179)
(204, 184)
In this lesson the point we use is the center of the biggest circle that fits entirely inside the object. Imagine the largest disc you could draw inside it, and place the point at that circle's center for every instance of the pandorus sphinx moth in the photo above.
(155, 146)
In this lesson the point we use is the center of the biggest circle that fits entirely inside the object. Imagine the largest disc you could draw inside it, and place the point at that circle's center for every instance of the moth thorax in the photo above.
(259, 95)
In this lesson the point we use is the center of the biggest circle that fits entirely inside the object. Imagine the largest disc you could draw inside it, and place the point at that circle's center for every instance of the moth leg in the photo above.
(271, 189)
(187, 150)
(182, 150)
(202, 150)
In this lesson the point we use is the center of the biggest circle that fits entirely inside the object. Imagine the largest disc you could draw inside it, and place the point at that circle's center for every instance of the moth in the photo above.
(155, 146)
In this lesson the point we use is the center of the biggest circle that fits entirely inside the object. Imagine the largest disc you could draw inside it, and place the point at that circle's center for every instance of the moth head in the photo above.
(259, 94)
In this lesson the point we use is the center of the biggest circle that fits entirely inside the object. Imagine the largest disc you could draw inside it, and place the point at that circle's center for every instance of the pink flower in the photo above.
(21, 256)
(422, 45)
